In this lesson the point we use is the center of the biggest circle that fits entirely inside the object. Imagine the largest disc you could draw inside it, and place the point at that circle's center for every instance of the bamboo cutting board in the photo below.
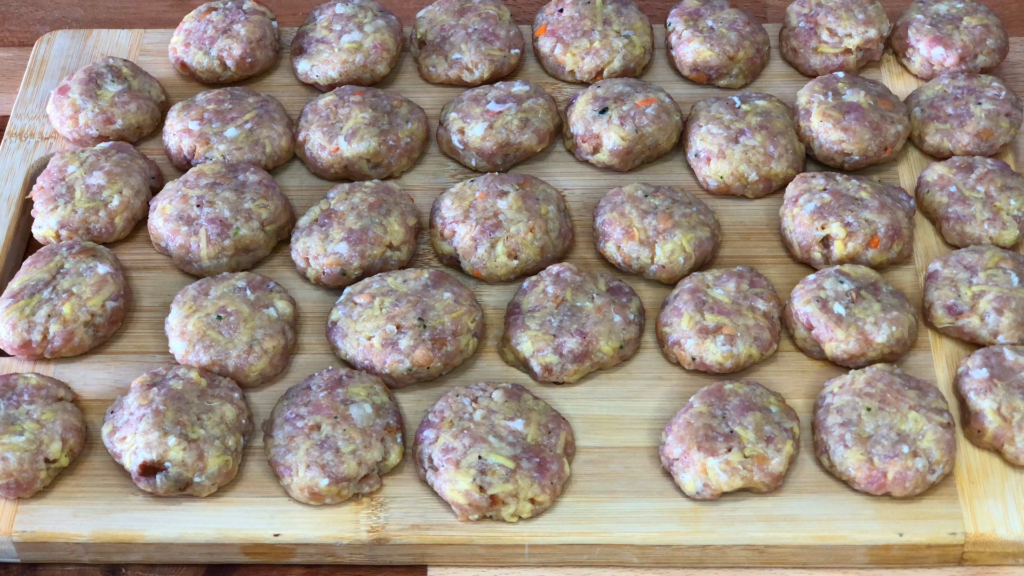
(619, 507)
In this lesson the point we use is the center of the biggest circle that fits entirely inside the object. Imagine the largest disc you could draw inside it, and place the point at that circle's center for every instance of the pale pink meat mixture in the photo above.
(936, 36)
(95, 194)
(883, 431)
(824, 36)
(226, 41)
(494, 451)
(466, 42)
(332, 436)
(715, 42)
(990, 384)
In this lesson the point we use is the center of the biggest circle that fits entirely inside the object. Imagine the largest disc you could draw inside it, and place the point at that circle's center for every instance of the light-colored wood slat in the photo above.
(620, 571)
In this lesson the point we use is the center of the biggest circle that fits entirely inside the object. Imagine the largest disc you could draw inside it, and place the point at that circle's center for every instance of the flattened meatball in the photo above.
(621, 124)
(332, 436)
(226, 41)
(714, 42)
(990, 383)
(820, 37)
(94, 194)
(936, 36)
(882, 431)
(347, 42)
(466, 42)
(66, 299)
(499, 227)
(975, 294)
(41, 432)
(406, 326)
(830, 218)
(851, 316)
(743, 145)
(110, 99)
(358, 230)
(730, 436)
(565, 323)
(494, 451)
(492, 128)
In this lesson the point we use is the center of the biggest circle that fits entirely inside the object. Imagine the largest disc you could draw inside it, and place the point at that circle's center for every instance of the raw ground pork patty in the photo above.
(226, 41)
(850, 122)
(830, 218)
(975, 294)
(229, 125)
(851, 316)
(240, 325)
(714, 42)
(564, 323)
(621, 123)
(936, 36)
(659, 232)
(354, 133)
(406, 326)
(883, 431)
(494, 451)
(95, 194)
(66, 299)
(730, 436)
(743, 145)
(820, 37)
(110, 99)
(973, 200)
(332, 436)
(348, 42)
(990, 384)
(499, 227)
(41, 432)
(584, 41)
(358, 230)
(720, 321)
(219, 217)
(964, 115)
(466, 42)
(492, 128)
(179, 431)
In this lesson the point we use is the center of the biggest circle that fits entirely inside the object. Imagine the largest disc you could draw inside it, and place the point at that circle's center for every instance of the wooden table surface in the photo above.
(23, 21)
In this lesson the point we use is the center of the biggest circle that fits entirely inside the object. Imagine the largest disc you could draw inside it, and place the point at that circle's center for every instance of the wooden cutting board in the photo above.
(619, 507)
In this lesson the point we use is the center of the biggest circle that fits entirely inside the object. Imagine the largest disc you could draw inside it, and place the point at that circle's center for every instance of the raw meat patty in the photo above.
(179, 431)
(973, 200)
(720, 321)
(358, 230)
(492, 128)
(110, 99)
(564, 323)
(730, 436)
(466, 42)
(240, 325)
(499, 227)
(936, 36)
(851, 316)
(621, 124)
(348, 42)
(66, 299)
(226, 41)
(95, 194)
(990, 384)
(219, 217)
(332, 436)
(228, 125)
(884, 432)
(975, 294)
(820, 37)
(964, 115)
(41, 432)
(850, 122)
(494, 451)
(830, 218)
(406, 326)
(714, 42)
(584, 41)
(659, 232)
(354, 133)
(743, 145)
